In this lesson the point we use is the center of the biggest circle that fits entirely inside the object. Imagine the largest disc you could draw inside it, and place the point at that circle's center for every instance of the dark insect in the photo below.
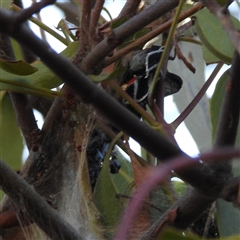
(136, 79)
(140, 72)
(96, 151)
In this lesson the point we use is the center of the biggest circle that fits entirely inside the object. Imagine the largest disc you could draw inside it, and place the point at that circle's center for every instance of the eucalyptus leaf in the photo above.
(22, 86)
(124, 178)
(227, 214)
(172, 234)
(222, 2)
(17, 49)
(17, 67)
(208, 56)
(44, 77)
(5, 4)
(216, 101)
(213, 36)
(10, 138)
(104, 197)
(10, 151)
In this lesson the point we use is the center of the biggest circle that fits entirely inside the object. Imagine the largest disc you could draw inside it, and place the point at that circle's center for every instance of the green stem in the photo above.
(111, 145)
(36, 90)
(67, 33)
(191, 40)
(166, 49)
(45, 27)
(108, 13)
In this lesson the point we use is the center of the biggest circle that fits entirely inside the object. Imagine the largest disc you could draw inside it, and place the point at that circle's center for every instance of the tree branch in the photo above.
(84, 46)
(130, 8)
(93, 61)
(37, 209)
(95, 17)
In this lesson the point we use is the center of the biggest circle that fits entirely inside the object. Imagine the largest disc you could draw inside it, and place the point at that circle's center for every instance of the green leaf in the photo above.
(43, 78)
(17, 67)
(5, 4)
(222, 2)
(17, 49)
(208, 56)
(22, 86)
(227, 214)
(227, 218)
(216, 101)
(214, 36)
(104, 197)
(11, 142)
(172, 234)
(124, 178)
(10, 152)
(180, 187)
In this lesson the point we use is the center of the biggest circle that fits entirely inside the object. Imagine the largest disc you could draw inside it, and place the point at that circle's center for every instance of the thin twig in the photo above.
(130, 8)
(43, 26)
(95, 17)
(39, 18)
(84, 31)
(197, 98)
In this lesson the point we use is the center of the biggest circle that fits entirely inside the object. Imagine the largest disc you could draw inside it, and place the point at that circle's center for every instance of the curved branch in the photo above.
(36, 208)
(130, 8)
(95, 17)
